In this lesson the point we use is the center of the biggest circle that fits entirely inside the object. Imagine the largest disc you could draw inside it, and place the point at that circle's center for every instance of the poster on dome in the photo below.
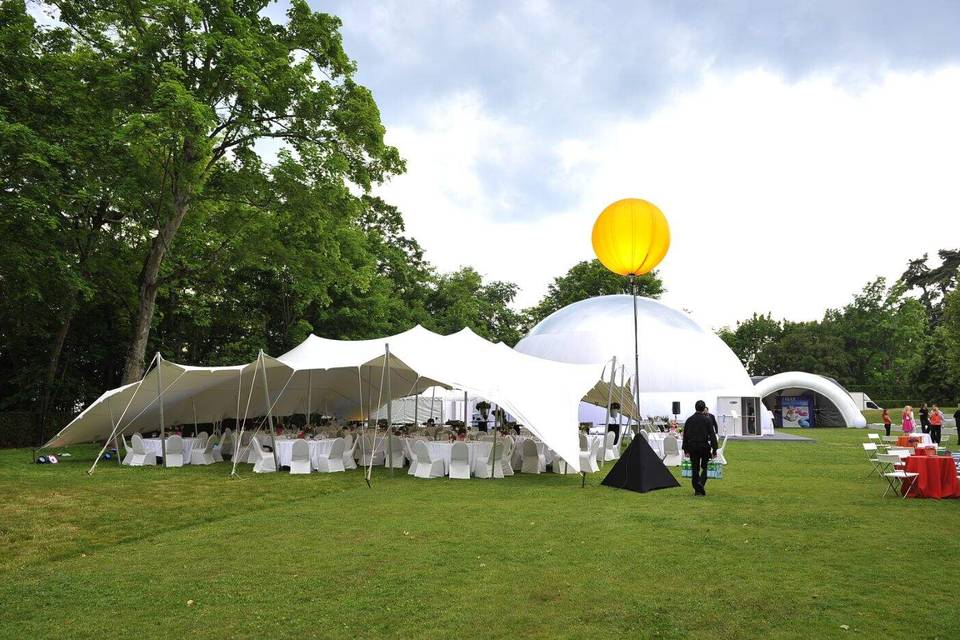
(796, 411)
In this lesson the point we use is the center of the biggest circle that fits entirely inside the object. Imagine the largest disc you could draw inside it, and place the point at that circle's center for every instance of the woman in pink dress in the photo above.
(907, 417)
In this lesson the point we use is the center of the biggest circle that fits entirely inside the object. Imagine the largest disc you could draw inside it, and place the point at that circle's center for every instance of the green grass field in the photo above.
(795, 542)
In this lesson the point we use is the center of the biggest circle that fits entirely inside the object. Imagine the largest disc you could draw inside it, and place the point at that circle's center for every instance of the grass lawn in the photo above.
(794, 542)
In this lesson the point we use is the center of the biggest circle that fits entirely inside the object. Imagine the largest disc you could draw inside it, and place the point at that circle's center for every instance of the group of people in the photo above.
(931, 420)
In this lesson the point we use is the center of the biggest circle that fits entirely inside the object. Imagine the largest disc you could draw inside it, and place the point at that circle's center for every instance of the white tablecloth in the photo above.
(476, 450)
(152, 445)
(656, 442)
(284, 449)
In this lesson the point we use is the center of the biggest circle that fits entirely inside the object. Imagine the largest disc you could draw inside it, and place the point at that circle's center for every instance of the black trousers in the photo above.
(935, 433)
(925, 426)
(887, 428)
(698, 468)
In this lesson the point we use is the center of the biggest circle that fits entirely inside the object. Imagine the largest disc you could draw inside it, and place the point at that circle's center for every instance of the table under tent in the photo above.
(353, 379)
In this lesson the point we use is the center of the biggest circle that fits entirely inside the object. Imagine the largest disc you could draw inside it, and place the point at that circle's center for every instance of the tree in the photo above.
(462, 299)
(750, 341)
(588, 279)
(202, 84)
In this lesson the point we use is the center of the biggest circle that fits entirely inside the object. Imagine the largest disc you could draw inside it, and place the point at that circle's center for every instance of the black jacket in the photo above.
(698, 433)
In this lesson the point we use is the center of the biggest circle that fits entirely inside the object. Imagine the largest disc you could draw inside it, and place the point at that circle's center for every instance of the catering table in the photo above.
(913, 439)
(284, 449)
(937, 479)
(477, 450)
(152, 445)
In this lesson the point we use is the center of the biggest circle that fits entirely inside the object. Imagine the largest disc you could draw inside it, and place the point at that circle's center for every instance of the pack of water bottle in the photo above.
(714, 469)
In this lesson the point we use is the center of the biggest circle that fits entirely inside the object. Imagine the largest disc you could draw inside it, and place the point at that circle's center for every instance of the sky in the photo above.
(797, 149)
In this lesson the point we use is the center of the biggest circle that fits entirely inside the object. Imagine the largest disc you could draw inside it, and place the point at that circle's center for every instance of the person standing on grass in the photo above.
(924, 418)
(906, 419)
(700, 443)
(936, 423)
(886, 421)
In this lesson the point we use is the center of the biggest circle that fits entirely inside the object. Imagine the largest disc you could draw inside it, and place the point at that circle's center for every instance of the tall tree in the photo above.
(204, 84)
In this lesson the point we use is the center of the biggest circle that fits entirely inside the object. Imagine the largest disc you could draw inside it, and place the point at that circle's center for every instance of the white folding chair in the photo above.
(460, 461)
(141, 457)
(871, 450)
(300, 457)
(588, 458)
(720, 457)
(265, 462)
(426, 467)
(333, 461)
(174, 452)
(672, 457)
(532, 459)
(898, 479)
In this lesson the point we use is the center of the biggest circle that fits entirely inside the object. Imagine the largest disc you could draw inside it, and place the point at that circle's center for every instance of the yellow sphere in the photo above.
(631, 236)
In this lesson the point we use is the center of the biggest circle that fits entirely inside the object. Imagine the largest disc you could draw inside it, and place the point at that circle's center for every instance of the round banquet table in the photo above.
(656, 441)
(317, 448)
(152, 445)
(477, 450)
(914, 439)
(937, 479)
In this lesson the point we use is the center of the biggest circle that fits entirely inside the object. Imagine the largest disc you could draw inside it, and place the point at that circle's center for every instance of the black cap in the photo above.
(701, 405)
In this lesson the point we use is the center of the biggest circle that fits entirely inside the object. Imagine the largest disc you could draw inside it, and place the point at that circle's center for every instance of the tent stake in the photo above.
(266, 393)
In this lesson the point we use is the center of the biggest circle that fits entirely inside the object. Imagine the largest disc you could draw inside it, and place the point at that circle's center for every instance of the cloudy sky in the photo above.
(797, 149)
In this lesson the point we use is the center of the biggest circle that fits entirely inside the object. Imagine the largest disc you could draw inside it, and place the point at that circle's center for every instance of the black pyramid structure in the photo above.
(640, 469)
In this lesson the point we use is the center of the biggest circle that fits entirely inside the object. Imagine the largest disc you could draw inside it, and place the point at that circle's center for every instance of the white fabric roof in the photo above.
(342, 377)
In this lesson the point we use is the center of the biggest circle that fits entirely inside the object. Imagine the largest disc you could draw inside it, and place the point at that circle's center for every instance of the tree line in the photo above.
(193, 178)
(898, 342)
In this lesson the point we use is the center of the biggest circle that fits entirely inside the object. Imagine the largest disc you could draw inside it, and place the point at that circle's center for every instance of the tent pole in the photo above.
(129, 402)
(493, 457)
(606, 422)
(163, 428)
(466, 423)
(363, 424)
(623, 381)
(369, 397)
(389, 410)
(416, 411)
(266, 393)
(116, 436)
(196, 427)
(310, 394)
(243, 423)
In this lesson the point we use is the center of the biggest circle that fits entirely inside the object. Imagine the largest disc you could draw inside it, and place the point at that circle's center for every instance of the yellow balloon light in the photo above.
(631, 236)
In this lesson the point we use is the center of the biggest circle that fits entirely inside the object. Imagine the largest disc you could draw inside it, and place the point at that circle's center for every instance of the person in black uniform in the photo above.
(713, 421)
(700, 443)
(924, 418)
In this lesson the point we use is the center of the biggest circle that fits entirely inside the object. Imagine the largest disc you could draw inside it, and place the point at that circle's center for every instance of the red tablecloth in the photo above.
(908, 441)
(938, 476)
(925, 451)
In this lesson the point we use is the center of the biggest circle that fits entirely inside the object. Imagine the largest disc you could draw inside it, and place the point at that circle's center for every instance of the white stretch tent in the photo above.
(348, 378)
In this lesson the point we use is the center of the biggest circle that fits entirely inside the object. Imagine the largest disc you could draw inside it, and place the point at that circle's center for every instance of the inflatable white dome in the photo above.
(679, 359)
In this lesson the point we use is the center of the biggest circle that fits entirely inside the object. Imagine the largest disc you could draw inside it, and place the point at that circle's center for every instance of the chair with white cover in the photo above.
(141, 457)
(128, 456)
(349, 447)
(396, 446)
(243, 451)
(333, 460)
(672, 456)
(460, 461)
(493, 459)
(218, 444)
(627, 436)
(898, 479)
(532, 458)
(200, 440)
(722, 459)
(588, 458)
(410, 451)
(204, 455)
(174, 451)
(610, 449)
(584, 442)
(426, 466)
(265, 462)
(300, 457)
(560, 466)
(367, 453)
(645, 435)
(507, 455)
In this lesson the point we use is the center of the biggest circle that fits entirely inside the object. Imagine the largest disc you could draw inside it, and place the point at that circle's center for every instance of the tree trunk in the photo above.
(54, 363)
(149, 283)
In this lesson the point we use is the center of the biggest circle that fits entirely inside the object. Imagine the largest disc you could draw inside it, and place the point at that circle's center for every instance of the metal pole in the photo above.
(636, 347)
(606, 421)
(163, 429)
(195, 426)
(493, 457)
(416, 411)
(389, 409)
(370, 399)
(116, 436)
(266, 393)
(466, 423)
(623, 383)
